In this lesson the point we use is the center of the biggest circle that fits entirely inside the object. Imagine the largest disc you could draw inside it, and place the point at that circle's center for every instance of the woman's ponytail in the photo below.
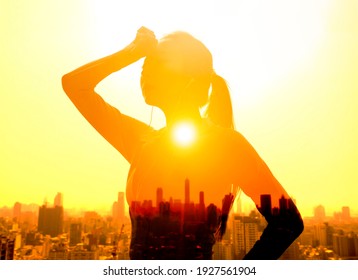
(219, 109)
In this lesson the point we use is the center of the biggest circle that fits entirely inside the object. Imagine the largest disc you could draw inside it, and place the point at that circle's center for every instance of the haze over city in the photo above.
(293, 87)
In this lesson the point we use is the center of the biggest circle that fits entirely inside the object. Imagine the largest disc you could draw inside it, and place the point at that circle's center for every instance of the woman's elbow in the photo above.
(67, 84)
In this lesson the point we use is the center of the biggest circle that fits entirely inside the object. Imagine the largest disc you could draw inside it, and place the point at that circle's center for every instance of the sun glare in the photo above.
(184, 134)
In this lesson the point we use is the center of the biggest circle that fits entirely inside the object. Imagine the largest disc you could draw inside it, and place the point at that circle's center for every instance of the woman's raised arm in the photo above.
(89, 75)
(121, 131)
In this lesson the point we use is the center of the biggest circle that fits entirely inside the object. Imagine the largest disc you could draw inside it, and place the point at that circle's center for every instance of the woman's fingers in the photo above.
(144, 44)
(144, 29)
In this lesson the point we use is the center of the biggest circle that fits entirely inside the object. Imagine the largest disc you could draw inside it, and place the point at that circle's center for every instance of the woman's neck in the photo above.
(185, 114)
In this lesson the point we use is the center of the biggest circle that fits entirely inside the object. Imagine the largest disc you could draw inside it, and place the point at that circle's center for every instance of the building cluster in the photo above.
(330, 237)
(244, 231)
(47, 232)
(175, 229)
(51, 234)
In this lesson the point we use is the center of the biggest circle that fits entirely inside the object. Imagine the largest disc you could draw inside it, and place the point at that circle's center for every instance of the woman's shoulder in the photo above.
(226, 134)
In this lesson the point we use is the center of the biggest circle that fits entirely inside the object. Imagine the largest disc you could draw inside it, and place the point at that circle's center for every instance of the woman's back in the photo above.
(180, 196)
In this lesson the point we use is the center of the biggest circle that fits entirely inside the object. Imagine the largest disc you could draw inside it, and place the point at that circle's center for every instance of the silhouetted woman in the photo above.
(184, 177)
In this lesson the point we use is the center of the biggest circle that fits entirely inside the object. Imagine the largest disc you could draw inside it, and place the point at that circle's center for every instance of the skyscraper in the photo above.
(201, 207)
(7, 247)
(75, 233)
(319, 213)
(201, 197)
(344, 244)
(50, 220)
(159, 196)
(17, 211)
(187, 191)
(266, 205)
(346, 213)
(245, 234)
(58, 201)
(283, 204)
(118, 209)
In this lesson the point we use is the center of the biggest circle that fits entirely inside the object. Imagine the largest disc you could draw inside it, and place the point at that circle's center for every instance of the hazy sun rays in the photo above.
(184, 134)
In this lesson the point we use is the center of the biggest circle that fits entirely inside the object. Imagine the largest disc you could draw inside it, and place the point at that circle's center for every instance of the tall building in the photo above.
(201, 197)
(118, 209)
(187, 191)
(201, 207)
(322, 235)
(266, 205)
(17, 211)
(283, 205)
(7, 247)
(319, 213)
(346, 213)
(159, 196)
(344, 244)
(58, 201)
(46, 247)
(245, 234)
(319, 235)
(189, 208)
(50, 220)
(75, 233)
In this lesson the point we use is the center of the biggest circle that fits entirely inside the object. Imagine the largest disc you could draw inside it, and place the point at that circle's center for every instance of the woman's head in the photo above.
(180, 69)
(179, 72)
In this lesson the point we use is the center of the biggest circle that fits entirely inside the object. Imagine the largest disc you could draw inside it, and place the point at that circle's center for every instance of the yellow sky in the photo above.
(292, 68)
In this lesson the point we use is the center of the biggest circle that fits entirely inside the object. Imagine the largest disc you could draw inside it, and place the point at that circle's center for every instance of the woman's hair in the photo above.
(197, 66)
(219, 109)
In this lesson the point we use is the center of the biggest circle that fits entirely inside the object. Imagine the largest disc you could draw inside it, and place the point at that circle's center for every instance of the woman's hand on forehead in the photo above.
(144, 43)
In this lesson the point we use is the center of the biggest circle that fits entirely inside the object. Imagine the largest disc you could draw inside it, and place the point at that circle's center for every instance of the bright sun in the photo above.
(184, 134)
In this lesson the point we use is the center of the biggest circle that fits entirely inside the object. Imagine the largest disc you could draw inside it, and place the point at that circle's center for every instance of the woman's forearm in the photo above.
(280, 233)
(89, 75)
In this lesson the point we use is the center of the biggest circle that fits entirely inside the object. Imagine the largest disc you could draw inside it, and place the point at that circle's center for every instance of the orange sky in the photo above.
(292, 68)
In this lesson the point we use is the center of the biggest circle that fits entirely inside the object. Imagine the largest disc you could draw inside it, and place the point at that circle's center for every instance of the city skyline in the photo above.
(322, 238)
(293, 88)
(108, 210)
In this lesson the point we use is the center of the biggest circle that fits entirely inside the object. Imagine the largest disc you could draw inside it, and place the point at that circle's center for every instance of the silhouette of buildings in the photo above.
(75, 234)
(7, 246)
(159, 197)
(176, 230)
(96, 237)
(346, 214)
(17, 212)
(245, 234)
(319, 213)
(266, 205)
(322, 235)
(50, 220)
(58, 201)
(345, 245)
(187, 191)
(118, 209)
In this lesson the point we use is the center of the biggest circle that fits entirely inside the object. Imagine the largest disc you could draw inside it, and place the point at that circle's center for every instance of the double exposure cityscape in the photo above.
(50, 232)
